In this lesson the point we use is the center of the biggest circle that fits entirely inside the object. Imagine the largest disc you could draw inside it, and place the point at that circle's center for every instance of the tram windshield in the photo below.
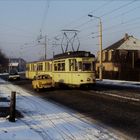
(81, 65)
(85, 66)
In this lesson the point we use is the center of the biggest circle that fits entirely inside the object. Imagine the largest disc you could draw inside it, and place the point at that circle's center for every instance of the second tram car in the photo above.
(71, 68)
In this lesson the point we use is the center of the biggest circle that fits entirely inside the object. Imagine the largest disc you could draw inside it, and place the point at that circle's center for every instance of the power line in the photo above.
(78, 19)
(126, 12)
(116, 9)
(98, 8)
(113, 31)
(107, 13)
(45, 14)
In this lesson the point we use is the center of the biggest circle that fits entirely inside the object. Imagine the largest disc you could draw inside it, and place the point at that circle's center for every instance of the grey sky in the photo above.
(22, 20)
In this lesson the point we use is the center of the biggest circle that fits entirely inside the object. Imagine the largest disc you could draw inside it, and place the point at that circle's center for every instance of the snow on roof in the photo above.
(130, 44)
(126, 43)
(15, 64)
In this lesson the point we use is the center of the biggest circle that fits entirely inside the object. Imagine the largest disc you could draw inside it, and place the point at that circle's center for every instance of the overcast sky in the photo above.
(22, 20)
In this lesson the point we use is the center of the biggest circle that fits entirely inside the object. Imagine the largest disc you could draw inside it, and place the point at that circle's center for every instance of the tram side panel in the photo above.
(72, 74)
(37, 68)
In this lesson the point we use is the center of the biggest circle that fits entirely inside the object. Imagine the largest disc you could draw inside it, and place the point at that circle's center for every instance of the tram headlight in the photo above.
(88, 79)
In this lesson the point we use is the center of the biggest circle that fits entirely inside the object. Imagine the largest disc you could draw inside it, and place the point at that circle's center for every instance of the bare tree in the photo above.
(3, 61)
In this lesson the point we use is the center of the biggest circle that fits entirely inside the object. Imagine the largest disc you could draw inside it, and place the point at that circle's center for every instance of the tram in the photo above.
(71, 68)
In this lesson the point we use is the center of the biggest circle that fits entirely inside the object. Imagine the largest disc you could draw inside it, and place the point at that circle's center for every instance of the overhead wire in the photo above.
(107, 13)
(98, 8)
(124, 23)
(118, 8)
(78, 19)
(113, 31)
(126, 12)
(45, 14)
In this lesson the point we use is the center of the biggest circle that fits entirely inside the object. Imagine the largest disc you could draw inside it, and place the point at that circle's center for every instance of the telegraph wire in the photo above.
(111, 32)
(45, 14)
(126, 12)
(116, 9)
(110, 12)
(98, 8)
(120, 8)
(78, 19)
(107, 13)
(124, 23)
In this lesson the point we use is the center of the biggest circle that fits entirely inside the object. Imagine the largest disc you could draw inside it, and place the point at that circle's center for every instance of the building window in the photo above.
(103, 56)
(110, 55)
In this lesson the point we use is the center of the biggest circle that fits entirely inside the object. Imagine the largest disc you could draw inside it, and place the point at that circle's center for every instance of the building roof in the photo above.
(126, 43)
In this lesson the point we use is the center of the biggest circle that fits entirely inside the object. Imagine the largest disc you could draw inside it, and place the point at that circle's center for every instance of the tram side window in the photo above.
(55, 67)
(33, 67)
(61, 66)
(48, 66)
(40, 67)
(86, 66)
(30, 67)
(73, 65)
(93, 66)
(80, 66)
(27, 67)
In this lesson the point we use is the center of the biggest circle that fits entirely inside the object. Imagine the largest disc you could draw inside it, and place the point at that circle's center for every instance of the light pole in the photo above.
(100, 45)
(45, 47)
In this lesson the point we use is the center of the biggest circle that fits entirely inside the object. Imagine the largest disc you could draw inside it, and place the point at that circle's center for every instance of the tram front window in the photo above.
(87, 67)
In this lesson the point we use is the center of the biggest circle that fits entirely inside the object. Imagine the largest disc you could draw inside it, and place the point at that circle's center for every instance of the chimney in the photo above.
(126, 36)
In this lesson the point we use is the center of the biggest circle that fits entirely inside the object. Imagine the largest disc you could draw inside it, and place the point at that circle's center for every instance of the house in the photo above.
(121, 60)
(17, 63)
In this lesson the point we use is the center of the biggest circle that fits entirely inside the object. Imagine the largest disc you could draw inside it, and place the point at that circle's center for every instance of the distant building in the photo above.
(17, 63)
(121, 60)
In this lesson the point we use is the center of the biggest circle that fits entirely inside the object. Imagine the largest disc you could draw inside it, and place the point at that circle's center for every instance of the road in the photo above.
(121, 114)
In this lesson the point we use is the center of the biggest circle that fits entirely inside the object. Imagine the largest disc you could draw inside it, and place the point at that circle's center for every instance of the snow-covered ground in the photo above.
(44, 120)
(119, 83)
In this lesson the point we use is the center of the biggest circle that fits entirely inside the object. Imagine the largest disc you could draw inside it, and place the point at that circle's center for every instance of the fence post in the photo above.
(12, 107)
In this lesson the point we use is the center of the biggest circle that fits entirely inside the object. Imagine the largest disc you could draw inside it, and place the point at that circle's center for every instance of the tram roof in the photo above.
(68, 55)
(74, 54)
(40, 61)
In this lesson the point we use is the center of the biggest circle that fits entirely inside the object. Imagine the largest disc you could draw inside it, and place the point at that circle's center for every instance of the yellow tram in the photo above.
(70, 68)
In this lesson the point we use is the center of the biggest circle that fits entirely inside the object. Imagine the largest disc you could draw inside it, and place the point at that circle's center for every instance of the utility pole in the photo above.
(9, 66)
(45, 44)
(45, 47)
(100, 40)
(100, 46)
